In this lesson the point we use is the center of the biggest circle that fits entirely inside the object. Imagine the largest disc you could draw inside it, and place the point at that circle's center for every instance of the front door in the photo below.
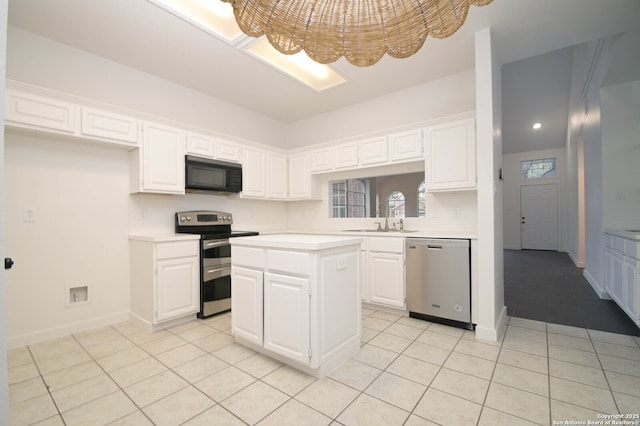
(539, 221)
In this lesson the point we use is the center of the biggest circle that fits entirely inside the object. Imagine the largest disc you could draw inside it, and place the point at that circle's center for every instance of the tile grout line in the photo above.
(55, 404)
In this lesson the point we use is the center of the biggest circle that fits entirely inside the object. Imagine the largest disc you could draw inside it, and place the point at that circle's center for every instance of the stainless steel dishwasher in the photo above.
(439, 280)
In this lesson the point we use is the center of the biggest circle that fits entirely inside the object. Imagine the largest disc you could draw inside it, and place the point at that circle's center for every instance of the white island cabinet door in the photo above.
(177, 291)
(246, 304)
(287, 316)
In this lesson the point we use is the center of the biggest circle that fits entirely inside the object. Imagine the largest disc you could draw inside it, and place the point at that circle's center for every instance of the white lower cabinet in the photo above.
(631, 285)
(246, 304)
(622, 274)
(386, 279)
(385, 271)
(287, 315)
(301, 307)
(165, 280)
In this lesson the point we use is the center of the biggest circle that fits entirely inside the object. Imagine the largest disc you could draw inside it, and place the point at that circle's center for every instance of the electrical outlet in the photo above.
(29, 214)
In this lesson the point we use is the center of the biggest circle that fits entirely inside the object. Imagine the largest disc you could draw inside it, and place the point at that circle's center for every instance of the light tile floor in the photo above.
(409, 372)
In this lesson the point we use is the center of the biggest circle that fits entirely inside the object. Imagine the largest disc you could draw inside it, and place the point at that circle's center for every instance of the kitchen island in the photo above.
(296, 298)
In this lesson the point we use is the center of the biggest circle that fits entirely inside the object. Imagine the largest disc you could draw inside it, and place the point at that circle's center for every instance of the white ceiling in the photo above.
(141, 35)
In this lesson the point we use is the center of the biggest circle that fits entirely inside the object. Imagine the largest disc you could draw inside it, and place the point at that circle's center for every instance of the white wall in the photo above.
(492, 311)
(513, 182)
(621, 155)
(79, 237)
(590, 64)
(4, 379)
(405, 108)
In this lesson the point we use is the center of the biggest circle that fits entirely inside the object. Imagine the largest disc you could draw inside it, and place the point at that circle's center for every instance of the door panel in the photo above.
(539, 209)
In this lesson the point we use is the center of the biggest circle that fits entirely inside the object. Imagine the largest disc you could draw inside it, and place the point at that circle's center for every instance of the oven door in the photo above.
(216, 253)
(215, 287)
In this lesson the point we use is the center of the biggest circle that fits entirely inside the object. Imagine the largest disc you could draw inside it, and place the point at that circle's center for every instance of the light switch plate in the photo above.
(28, 214)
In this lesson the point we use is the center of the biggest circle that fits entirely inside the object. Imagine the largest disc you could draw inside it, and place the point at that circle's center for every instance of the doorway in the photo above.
(539, 217)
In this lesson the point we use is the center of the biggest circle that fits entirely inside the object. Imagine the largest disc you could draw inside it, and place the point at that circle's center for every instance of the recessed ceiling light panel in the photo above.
(537, 126)
(212, 16)
(317, 76)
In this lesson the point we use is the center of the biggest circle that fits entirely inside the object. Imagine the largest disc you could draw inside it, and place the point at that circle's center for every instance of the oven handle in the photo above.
(215, 243)
(213, 273)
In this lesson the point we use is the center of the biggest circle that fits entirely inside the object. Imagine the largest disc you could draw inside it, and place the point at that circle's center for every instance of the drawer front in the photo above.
(632, 249)
(177, 249)
(386, 244)
(618, 243)
(250, 257)
(293, 262)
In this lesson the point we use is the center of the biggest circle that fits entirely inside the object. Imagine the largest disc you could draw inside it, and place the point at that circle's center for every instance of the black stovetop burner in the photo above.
(209, 224)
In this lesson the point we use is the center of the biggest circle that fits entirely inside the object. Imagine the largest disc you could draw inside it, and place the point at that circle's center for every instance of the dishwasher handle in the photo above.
(434, 247)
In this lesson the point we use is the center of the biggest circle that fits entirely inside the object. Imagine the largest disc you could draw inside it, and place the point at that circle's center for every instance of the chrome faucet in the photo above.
(386, 217)
(401, 225)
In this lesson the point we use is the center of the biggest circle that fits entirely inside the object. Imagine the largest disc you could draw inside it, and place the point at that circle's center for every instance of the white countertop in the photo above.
(373, 233)
(297, 241)
(629, 234)
(164, 237)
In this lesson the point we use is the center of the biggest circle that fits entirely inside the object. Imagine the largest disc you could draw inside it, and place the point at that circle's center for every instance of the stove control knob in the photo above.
(182, 219)
(188, 218)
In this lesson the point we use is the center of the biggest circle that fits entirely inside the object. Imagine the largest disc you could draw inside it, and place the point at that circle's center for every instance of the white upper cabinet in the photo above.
(211, 147)
(228, 151)
(405, 146)
(201, 145)
(264, 174)
(346, 156)
(38, 112)
(373, 151)
(158, 165)
(253, 172)
(276, 176)
(400, 147)
(450, 155)
(302, 185)
(321, 160)
(118, 128)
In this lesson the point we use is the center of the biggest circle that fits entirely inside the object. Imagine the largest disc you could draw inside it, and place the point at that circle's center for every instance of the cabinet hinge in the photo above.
(309, 291)
(309, 351)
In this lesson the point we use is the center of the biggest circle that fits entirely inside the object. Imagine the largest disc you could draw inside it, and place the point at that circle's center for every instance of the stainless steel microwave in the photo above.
(205, 175)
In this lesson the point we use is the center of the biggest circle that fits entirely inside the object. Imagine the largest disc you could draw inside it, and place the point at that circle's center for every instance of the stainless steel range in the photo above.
(214, 229)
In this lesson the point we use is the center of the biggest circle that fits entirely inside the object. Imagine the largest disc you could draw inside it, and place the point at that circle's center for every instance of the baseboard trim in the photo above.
(65, 330)
(493, 334)
(575, 260)
(600, 291)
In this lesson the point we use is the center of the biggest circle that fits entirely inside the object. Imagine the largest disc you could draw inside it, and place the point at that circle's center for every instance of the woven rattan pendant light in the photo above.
(360, 30)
